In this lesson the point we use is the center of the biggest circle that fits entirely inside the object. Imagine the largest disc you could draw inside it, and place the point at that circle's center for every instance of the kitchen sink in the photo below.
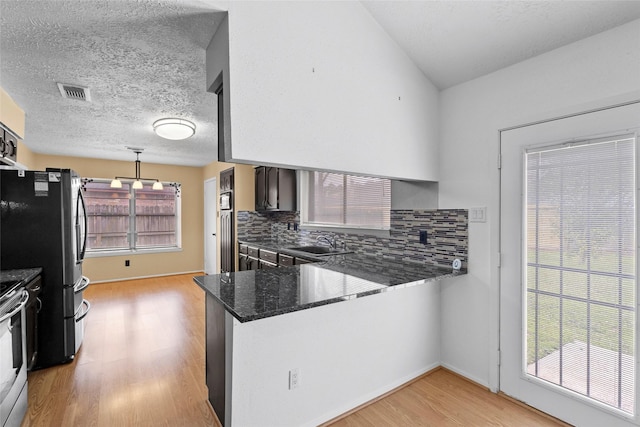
(319, 250)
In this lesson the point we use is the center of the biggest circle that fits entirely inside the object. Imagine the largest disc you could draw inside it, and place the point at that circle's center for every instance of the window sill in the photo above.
(121, 252)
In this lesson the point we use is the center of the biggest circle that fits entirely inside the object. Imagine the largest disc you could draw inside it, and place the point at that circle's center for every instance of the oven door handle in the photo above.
(82, 285)
(23, 302)
(88, 304)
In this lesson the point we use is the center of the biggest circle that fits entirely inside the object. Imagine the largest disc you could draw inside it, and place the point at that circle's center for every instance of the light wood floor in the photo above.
(142, 364)
(442, 398)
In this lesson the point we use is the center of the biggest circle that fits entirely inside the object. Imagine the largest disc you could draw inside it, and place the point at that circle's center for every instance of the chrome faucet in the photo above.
(329, 240)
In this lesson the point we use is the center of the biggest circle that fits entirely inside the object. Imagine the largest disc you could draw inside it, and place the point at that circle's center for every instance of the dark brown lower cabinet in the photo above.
(252, 258)
(215, 356)
(253, 263)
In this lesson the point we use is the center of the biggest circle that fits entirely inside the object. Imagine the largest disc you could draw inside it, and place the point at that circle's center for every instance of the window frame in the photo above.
(304, 197)
(132, 249)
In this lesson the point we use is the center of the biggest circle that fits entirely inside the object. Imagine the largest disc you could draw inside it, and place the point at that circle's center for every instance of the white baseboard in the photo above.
(198, 272)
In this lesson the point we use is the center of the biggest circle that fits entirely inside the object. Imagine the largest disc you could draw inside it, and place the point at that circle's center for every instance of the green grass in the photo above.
(604, 323)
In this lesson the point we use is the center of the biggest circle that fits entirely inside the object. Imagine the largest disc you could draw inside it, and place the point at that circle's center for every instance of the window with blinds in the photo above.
(338, 200)
(127, 219)
(580, 280)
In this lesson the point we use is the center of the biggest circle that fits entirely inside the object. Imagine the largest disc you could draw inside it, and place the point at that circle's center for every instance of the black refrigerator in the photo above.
(43, 224)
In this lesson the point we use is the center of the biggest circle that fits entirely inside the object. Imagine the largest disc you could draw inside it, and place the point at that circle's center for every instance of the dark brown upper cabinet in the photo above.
(275, 189)
(226, 180)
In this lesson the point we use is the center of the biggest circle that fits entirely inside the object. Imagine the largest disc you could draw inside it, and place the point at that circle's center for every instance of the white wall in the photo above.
(319, 85)
(347, 353)
(598, 71)
(414, 195)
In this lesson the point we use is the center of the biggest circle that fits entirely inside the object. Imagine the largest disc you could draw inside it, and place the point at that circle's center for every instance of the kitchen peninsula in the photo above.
(303, 344)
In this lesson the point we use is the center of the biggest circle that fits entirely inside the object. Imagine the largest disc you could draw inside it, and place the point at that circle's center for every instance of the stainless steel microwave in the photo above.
(225, 201)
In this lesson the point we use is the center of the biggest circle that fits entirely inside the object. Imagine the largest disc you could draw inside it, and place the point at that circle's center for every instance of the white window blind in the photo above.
(338, 200)
(580, 268)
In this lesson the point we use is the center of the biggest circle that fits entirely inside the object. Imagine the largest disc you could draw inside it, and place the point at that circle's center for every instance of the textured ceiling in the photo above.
(142, 60)
(145, 59)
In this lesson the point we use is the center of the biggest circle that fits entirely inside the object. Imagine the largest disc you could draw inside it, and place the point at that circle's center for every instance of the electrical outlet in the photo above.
(423, 237)
(127, 263)
(294, 378)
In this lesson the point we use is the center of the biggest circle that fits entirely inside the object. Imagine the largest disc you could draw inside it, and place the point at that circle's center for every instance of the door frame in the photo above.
(493, 218)
(495, 302)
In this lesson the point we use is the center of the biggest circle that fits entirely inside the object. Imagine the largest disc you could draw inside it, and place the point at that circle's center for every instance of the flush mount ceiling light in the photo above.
(174, 128)
(137, 181)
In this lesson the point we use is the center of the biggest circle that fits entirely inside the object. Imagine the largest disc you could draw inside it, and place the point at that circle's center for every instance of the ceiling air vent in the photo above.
(81, 93)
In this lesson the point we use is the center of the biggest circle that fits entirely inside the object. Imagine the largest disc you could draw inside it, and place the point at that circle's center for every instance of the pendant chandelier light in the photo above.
(174, 129)
(137, 181)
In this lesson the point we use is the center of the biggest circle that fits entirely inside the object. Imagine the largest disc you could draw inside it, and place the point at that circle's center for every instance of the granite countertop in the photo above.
(257, 294)
(19, 276)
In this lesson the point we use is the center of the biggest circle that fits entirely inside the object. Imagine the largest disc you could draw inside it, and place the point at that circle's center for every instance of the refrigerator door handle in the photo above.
(84, 314)
(82, 285)
(84, 229)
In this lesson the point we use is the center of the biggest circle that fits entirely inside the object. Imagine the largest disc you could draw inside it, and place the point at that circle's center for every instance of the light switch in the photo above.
(478, 214)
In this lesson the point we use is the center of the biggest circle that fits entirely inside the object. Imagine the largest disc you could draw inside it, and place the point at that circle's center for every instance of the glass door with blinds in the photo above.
(568, 281)
(580, 268)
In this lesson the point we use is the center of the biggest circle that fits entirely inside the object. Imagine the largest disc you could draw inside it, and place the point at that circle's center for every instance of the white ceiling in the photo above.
(456, 41)
(144, 60)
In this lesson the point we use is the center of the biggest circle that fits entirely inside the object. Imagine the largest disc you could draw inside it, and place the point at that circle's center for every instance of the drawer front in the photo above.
(244, 249)
(269, 256)
(285, 259)
(252, 251)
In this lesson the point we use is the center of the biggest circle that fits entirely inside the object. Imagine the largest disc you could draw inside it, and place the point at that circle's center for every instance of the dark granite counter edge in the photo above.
(276, 312)
(272, 313)
(336, 262)
(24, 275)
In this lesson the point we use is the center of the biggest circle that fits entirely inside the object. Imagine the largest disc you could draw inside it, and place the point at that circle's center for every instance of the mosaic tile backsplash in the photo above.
(447, 234)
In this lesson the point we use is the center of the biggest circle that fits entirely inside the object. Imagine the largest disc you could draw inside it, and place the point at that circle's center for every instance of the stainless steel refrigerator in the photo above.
(43, 224)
